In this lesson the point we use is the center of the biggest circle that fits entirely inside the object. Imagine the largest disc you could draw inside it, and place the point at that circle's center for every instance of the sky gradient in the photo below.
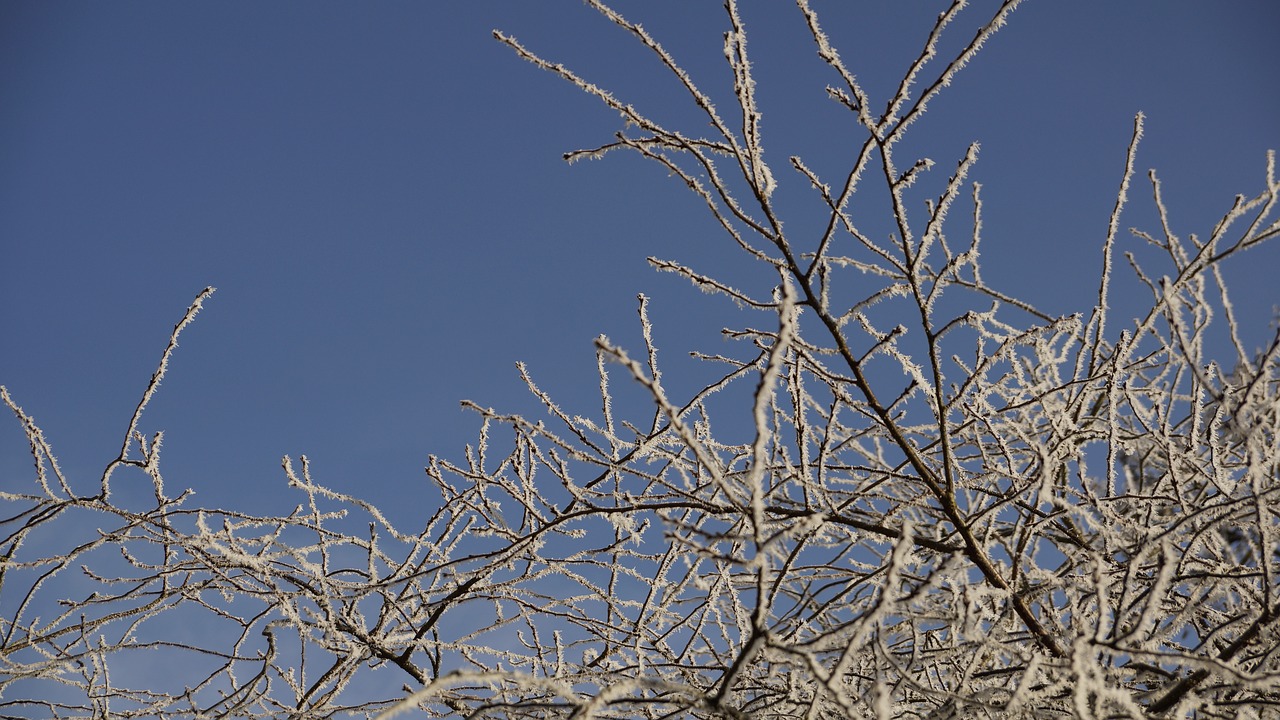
(376, 191)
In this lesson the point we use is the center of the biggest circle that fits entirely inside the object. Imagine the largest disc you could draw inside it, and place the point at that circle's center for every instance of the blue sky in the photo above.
(377, 192)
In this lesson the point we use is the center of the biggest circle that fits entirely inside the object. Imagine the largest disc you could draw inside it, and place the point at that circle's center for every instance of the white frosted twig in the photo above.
(1099, 321)
(948, 74)
(763, 396)
(163, 367)
(674, 416)
(40, 449)
(708, 284)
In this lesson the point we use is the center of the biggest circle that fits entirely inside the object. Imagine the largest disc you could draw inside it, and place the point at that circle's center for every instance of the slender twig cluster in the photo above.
(930, 499)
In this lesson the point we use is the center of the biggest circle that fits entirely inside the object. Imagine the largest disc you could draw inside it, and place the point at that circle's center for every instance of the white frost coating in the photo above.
(982, 511)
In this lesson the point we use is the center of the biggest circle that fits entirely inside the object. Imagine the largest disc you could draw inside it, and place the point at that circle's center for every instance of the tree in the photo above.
(907, 495)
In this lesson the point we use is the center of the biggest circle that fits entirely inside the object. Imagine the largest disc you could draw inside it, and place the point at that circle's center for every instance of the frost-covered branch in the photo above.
(902, 493)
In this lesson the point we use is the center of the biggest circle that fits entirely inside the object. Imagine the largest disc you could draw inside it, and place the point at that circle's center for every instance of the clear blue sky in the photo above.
(376, 190)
